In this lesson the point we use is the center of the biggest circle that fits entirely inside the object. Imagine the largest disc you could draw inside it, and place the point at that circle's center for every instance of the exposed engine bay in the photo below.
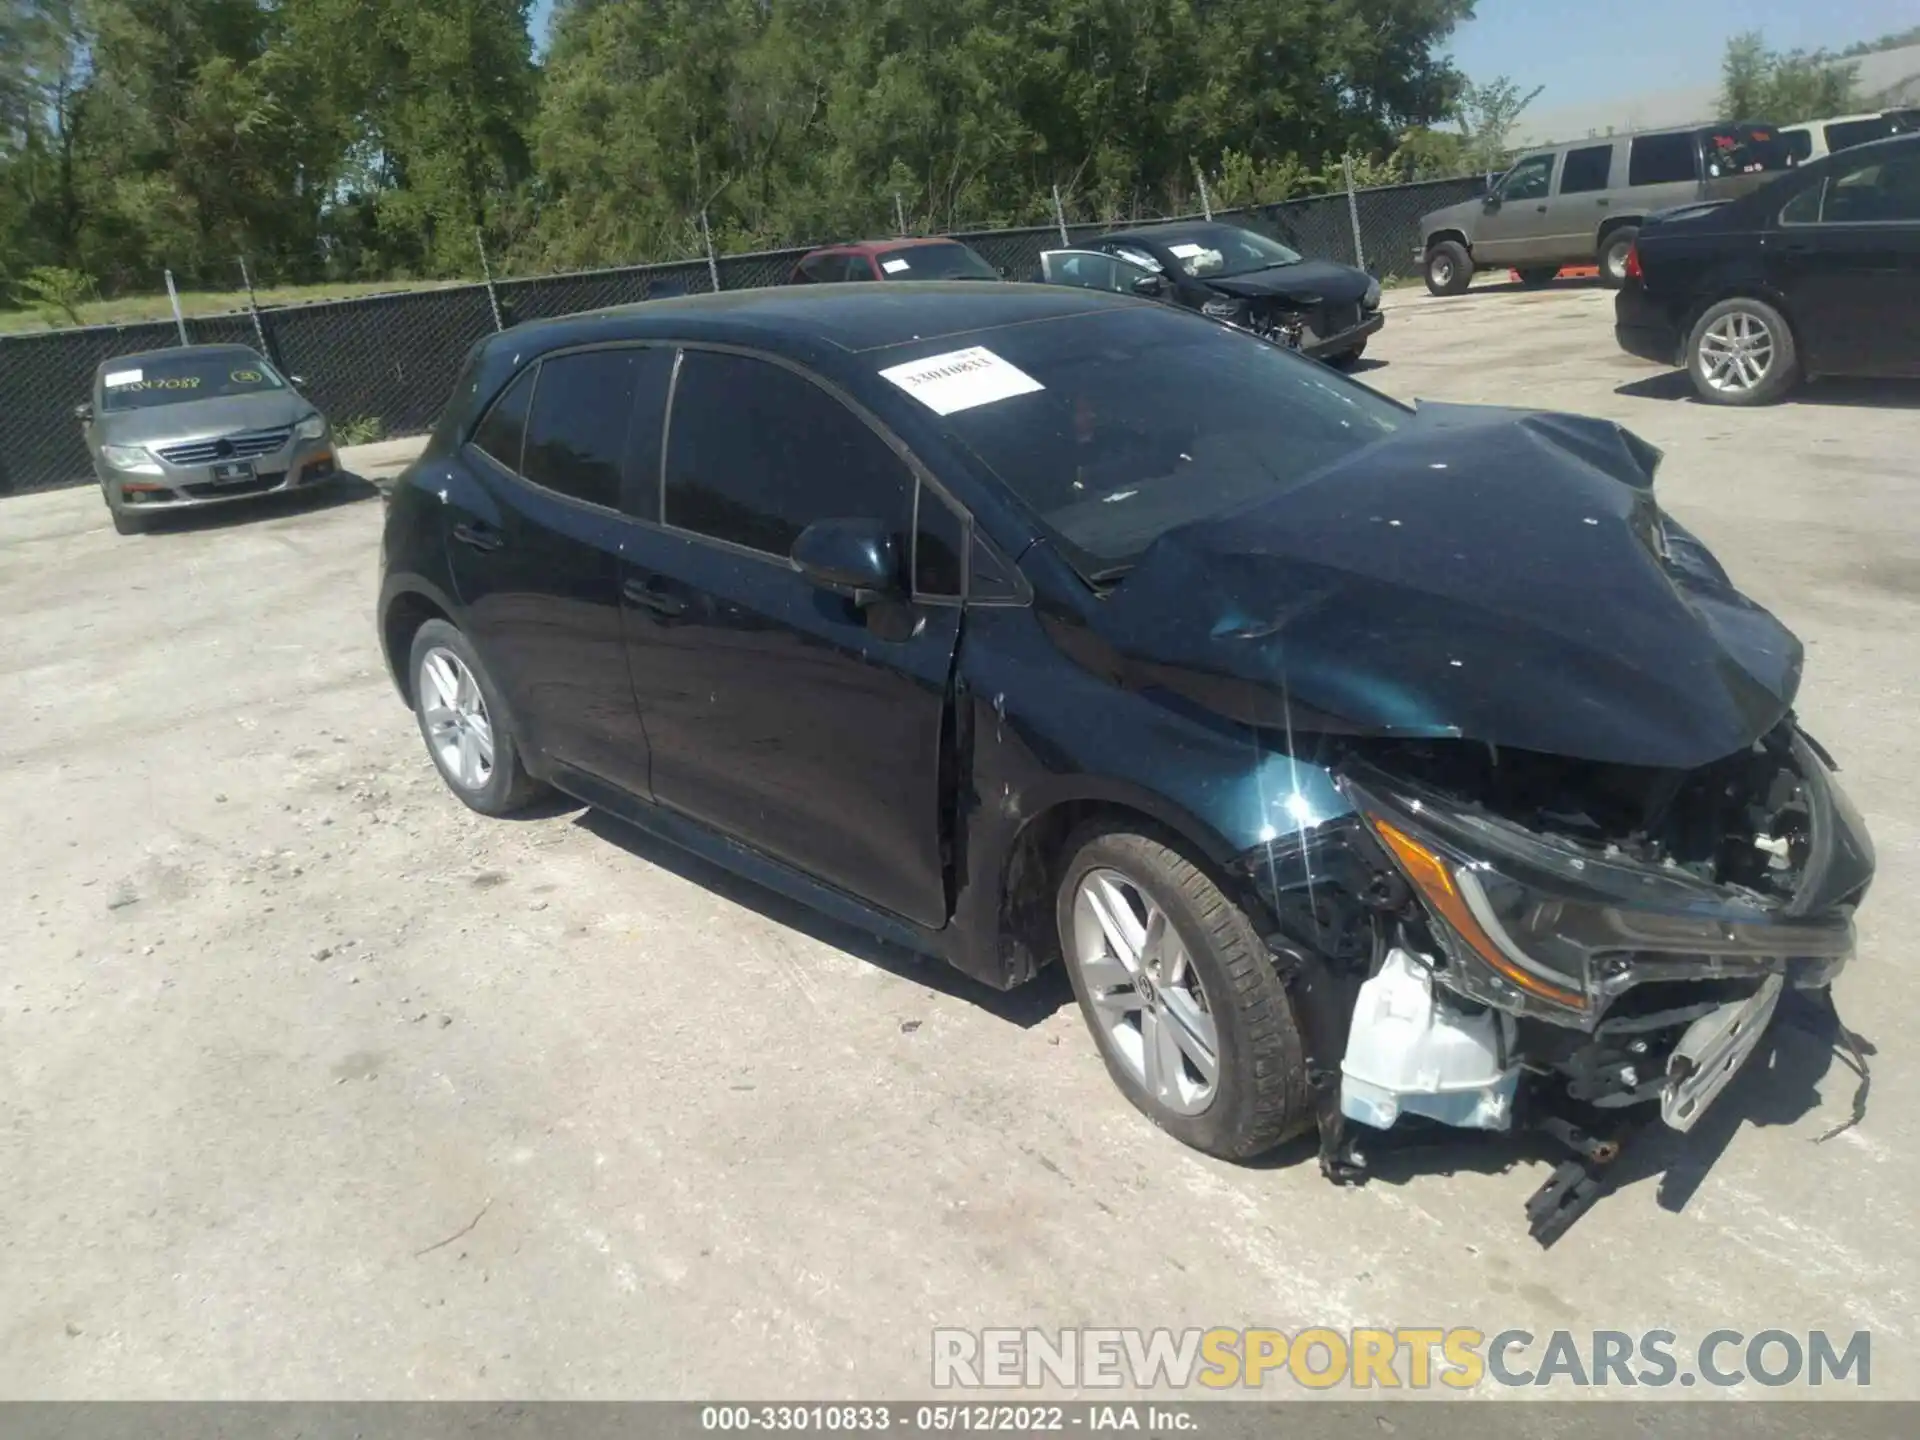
(1508, 940)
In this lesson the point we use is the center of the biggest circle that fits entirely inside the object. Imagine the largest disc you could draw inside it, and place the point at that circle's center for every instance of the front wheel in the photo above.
(1449, 268)
(465, 725)
(1741, 352)
(1184, 1003)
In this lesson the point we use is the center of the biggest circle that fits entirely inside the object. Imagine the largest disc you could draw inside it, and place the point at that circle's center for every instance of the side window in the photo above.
(1798, 145)
(577, 434)
(939, 542)
(755, 454)
(1878, 191)
(855, 267)
(1085, 269)
(989, 578)
(1662, 160)
(653, 378)
(504, 430)
(1529, 179)
(1804, 208)
(1137, 257)
(1586, 170)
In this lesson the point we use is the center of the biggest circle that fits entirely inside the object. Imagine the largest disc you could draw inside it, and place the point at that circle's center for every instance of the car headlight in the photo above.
(1371, 300)
(1223, 307)
(311, 428)
(132, 458)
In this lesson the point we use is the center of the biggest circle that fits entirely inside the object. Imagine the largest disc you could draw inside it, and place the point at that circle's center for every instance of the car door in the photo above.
(536, 552)
(1846, 254)
(1514, 226)
(792, 719)
(1582, 198)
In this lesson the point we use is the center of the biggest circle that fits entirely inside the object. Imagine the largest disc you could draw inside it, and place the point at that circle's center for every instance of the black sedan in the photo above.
(1233, 274)
(1356, 761)
(1815, 274)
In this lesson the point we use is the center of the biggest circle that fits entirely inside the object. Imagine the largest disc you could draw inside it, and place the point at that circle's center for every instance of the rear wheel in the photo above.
(465, 725)
(1449, 268)
(1615, 246)
(1184, 1003)
(1741, 352)
(1534, 276)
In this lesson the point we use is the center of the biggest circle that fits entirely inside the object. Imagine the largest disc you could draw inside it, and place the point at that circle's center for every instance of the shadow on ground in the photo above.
(1029, 1005)
(1677, 385)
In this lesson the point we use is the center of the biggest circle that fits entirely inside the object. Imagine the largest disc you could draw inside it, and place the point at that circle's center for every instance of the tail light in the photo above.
(1633, 261)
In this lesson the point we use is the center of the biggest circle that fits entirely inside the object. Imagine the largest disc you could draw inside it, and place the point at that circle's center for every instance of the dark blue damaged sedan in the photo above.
(1361, 764)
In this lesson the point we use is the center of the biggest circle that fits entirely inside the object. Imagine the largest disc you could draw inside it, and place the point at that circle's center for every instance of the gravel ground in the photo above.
(313, 1084)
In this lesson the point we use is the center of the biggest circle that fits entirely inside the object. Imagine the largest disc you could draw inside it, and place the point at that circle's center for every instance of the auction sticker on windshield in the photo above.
(117, 378)
(961, 379)
(893, 267)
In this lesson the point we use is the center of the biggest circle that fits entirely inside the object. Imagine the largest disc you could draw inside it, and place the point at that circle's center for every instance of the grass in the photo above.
(133, 308)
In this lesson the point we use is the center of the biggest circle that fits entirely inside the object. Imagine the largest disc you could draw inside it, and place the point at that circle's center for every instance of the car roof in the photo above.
(799, 320)
(1166, 228)
(119, 362)
(882, 247)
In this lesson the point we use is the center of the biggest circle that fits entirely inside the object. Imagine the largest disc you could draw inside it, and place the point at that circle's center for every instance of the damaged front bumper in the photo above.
(1517, 977)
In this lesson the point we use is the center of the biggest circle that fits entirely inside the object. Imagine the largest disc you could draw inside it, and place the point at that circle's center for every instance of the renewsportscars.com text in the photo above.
(1409, 1358)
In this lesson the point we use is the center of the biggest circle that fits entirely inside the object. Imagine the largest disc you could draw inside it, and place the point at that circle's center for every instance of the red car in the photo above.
(933, 258)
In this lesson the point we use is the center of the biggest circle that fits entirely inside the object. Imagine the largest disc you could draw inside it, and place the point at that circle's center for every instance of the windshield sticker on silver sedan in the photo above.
(116, 378)
(961, 380)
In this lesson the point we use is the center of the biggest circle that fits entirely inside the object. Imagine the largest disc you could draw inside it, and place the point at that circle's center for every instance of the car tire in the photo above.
(1347, 359)
(467, 733)
(1209, 981)
(1741, 352)
(1534, 276)
(1449, 268)
(1612, 259)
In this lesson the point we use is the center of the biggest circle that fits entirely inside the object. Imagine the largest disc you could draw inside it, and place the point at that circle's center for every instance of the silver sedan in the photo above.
(198, 425)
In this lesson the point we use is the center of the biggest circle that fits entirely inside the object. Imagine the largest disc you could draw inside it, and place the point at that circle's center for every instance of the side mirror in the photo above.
(856, 558)
(1150, 286)
(83, 412)
(1492, 202)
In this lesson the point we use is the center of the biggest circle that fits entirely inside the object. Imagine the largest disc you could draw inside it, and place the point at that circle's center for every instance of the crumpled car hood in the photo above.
(1309, 281)
(1498, 575)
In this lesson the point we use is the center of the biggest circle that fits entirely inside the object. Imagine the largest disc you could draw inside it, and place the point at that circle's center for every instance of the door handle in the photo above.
(1602, 201)
(645, 596)
(1541, 208)
(478, 534)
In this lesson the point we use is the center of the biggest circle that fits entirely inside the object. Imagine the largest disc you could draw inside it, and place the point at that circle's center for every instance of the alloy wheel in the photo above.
(1736, 352)
(1442, 271)
(1145, 992)
(454, 715)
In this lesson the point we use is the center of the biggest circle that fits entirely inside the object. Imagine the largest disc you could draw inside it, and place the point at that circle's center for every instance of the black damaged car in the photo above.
(1233, 274)
(1358, 762)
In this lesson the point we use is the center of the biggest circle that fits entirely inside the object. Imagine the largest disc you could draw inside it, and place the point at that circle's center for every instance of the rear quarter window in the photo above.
(1662, 160)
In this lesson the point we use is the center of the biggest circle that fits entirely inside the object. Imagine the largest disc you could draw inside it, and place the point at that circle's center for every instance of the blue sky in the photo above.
(1582, 50)
(1597, 49)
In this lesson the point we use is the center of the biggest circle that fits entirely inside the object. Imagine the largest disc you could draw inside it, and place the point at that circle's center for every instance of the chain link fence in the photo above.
(386, 362)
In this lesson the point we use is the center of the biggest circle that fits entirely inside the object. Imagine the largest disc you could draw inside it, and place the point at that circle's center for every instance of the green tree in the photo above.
(1487, 114)
(1757, 83)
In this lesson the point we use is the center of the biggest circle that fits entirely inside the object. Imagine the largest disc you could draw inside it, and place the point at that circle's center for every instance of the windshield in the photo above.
(949, 260)
(1219, 250)
(1745, 150)
(170, 379)
(1122, 424)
